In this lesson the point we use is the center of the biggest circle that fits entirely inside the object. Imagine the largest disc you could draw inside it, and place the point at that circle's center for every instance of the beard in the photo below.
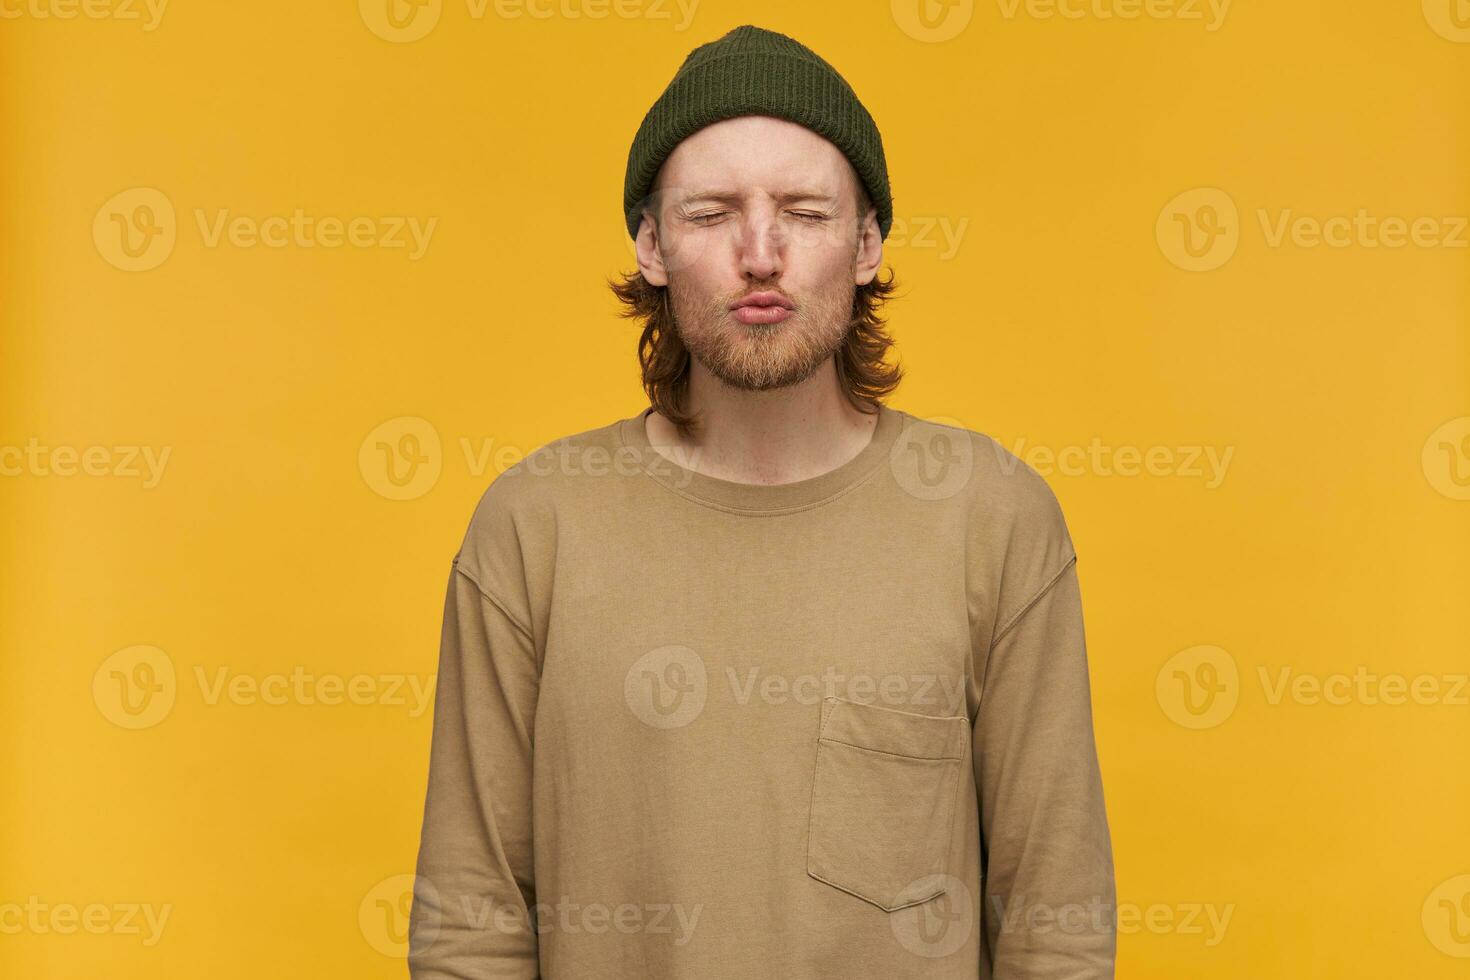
(762, 356)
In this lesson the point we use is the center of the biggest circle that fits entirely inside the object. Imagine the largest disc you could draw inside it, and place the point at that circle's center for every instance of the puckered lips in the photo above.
(763, 307)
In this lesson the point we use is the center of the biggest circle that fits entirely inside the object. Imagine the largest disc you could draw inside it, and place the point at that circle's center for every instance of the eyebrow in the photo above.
(735, 197)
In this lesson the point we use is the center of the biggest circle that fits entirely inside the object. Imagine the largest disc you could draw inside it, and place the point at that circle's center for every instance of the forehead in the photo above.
(760, 152)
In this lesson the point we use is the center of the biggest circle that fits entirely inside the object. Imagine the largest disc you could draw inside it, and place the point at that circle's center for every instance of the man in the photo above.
(769, 680)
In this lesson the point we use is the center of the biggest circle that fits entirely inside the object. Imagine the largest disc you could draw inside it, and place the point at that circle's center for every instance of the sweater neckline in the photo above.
(758, 498)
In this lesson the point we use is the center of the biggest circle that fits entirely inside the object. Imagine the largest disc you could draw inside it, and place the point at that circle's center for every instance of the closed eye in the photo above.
(709, 216)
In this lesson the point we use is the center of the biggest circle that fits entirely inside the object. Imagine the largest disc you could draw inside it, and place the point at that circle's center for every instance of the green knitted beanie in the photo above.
(751, 71)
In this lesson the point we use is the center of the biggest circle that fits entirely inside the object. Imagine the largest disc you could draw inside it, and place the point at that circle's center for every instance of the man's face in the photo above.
(758, 204)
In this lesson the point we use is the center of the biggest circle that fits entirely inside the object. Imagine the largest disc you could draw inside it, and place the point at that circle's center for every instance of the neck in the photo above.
(765, 437)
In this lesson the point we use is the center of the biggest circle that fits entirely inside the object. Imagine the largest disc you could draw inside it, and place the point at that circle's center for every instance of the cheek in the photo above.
(702, 260)
(820, 256)
(695, 289)
(821, 274)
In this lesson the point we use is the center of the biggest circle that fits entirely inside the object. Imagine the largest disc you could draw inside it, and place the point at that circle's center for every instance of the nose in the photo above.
(760, 245)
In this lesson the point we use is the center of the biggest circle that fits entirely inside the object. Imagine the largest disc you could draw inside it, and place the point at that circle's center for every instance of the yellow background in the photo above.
(1333, 836)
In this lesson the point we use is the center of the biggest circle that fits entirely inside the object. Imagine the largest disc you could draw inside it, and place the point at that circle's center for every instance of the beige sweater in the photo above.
(693, 729)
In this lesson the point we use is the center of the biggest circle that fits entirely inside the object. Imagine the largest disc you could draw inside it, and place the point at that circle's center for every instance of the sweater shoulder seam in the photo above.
(1031, 602)
(495, 601)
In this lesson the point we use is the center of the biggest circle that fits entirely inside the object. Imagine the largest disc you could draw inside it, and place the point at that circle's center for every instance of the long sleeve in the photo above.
(1049, 900)
(469, 917)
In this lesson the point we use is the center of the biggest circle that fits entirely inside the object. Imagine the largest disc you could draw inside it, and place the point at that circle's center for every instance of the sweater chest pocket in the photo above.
(883, 801)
